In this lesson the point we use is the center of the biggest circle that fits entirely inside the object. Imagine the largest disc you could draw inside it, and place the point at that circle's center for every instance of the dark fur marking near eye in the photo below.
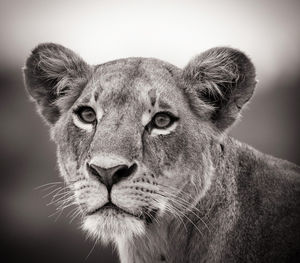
(86, 100)
(164, 105)
(222, 147)
(152, 96)
(96, 96)
(119, 122)
(162, 258)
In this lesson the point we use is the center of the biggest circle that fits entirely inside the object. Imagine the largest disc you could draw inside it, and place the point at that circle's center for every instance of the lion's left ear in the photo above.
(54, 74)
(219, 82)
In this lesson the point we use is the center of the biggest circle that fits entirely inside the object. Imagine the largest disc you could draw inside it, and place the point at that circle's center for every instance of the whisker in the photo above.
(186, 205)
(48, 184)
(60, 210)
(169, 209)
(54, 191)
(66, 206)
(91, 250)
(173, 212)
(151, 217)
(63, 198)
(66, 188)
(75, 215)
(178, 211)
(72, 211)
(58, 196)
(182, 199)
(176, 190)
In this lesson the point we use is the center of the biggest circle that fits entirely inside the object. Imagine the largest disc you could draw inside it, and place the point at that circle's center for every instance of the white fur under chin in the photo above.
(109, 228)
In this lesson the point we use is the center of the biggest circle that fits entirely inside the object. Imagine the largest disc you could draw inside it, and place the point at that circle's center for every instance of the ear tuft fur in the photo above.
(52, 72)
(219, 82)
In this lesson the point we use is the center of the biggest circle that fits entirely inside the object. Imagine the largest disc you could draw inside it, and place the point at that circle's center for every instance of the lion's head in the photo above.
(134, 136)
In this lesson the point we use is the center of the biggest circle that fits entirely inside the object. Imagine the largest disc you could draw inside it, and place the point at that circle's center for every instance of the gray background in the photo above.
(268, 31)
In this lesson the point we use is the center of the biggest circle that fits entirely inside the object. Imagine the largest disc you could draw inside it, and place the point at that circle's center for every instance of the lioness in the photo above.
(142, 145)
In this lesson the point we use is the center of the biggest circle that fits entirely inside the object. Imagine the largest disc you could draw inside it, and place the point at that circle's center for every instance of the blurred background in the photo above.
(268, 31)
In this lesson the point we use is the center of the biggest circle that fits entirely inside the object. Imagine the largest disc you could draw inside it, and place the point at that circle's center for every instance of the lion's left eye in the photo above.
(163, 120)
(86, 114)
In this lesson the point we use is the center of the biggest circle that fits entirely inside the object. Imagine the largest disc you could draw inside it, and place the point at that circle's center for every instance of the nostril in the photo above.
(94, 170)
(122, 171)
(125, 171)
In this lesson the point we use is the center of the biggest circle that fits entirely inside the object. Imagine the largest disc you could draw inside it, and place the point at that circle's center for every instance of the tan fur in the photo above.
(197, 195)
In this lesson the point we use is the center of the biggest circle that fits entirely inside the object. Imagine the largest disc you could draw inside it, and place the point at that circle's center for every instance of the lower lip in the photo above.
(111, 207)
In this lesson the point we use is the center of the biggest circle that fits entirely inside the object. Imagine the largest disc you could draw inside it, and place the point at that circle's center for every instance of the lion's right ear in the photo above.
(52, 72)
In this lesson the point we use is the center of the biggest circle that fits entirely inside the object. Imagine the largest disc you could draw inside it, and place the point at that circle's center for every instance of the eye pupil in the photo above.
(162, 120)
(87, 115)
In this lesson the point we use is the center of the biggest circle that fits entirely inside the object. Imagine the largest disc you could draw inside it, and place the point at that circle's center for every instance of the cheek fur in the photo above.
(78, 142)
(165, 151)
(72, 141)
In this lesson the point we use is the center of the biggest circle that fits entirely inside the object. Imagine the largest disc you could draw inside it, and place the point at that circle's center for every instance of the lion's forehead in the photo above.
(134, 84)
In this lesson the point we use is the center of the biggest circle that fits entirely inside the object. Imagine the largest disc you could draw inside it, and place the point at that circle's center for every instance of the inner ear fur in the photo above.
(53, 73)
(218, 83)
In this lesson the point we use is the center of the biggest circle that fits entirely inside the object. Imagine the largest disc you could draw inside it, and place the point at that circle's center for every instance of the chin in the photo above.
(109, 226)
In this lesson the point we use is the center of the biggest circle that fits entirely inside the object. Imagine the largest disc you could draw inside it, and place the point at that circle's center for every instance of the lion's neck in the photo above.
(171, 241)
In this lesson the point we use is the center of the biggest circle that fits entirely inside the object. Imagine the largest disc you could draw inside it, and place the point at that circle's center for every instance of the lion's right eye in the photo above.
(86, 114)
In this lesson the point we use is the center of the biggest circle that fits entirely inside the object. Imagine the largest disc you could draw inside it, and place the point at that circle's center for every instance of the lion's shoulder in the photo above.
(267, 197)
(272, 177)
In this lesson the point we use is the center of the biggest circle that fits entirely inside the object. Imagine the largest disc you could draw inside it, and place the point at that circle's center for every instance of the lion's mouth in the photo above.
(112, 206)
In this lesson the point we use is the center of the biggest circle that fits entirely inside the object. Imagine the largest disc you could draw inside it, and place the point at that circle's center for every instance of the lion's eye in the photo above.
(86, 114)
(163, 120)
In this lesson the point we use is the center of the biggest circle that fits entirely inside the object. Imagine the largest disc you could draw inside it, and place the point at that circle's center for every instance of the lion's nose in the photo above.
(113, 175)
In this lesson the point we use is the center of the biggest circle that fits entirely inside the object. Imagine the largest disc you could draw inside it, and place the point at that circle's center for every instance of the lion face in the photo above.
(134, 135)
(128, 147)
